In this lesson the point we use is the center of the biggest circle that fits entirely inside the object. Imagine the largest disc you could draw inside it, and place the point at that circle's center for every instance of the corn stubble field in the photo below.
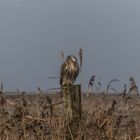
(40, 117)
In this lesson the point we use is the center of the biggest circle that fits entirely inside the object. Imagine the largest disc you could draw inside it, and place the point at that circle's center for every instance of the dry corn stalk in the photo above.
(81, 57)
(90, 86)
(133, 89)
(62, 57)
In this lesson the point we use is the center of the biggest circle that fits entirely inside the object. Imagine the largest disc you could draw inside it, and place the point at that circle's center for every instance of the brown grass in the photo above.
(40, 117)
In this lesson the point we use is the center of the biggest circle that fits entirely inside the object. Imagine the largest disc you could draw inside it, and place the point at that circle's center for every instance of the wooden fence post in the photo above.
(72, 110)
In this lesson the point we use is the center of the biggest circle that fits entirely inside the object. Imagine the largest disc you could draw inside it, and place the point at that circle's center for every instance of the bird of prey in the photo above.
(69, 71)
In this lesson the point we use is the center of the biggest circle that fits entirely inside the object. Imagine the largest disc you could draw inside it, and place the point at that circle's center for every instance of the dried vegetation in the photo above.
(40, 117)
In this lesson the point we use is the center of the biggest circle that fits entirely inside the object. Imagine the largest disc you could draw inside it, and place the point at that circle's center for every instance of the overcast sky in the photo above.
(32, 32)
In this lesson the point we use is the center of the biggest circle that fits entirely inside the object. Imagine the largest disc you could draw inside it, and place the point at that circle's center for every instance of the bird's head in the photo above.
(71, 58)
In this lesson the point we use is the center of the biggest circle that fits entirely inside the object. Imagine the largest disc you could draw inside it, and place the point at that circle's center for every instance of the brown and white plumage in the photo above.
(69, 71)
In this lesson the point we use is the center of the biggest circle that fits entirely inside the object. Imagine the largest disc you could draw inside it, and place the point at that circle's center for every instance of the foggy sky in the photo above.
(33, 32)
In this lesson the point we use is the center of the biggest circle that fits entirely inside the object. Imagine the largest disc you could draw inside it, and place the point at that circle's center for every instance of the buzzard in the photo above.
(69, 71)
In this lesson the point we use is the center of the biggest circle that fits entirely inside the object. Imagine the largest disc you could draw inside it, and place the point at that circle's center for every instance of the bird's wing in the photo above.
(62, 72)
(77, 71)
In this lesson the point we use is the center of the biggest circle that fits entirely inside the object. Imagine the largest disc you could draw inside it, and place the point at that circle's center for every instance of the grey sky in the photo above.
(32, 32)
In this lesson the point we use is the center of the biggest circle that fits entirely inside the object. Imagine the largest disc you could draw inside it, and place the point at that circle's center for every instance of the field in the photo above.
(41, 117)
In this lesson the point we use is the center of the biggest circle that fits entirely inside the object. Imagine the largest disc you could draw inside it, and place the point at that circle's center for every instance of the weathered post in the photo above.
(72, 110)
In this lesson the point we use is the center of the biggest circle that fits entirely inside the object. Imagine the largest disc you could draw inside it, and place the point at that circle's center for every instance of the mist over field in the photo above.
(33, 32)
